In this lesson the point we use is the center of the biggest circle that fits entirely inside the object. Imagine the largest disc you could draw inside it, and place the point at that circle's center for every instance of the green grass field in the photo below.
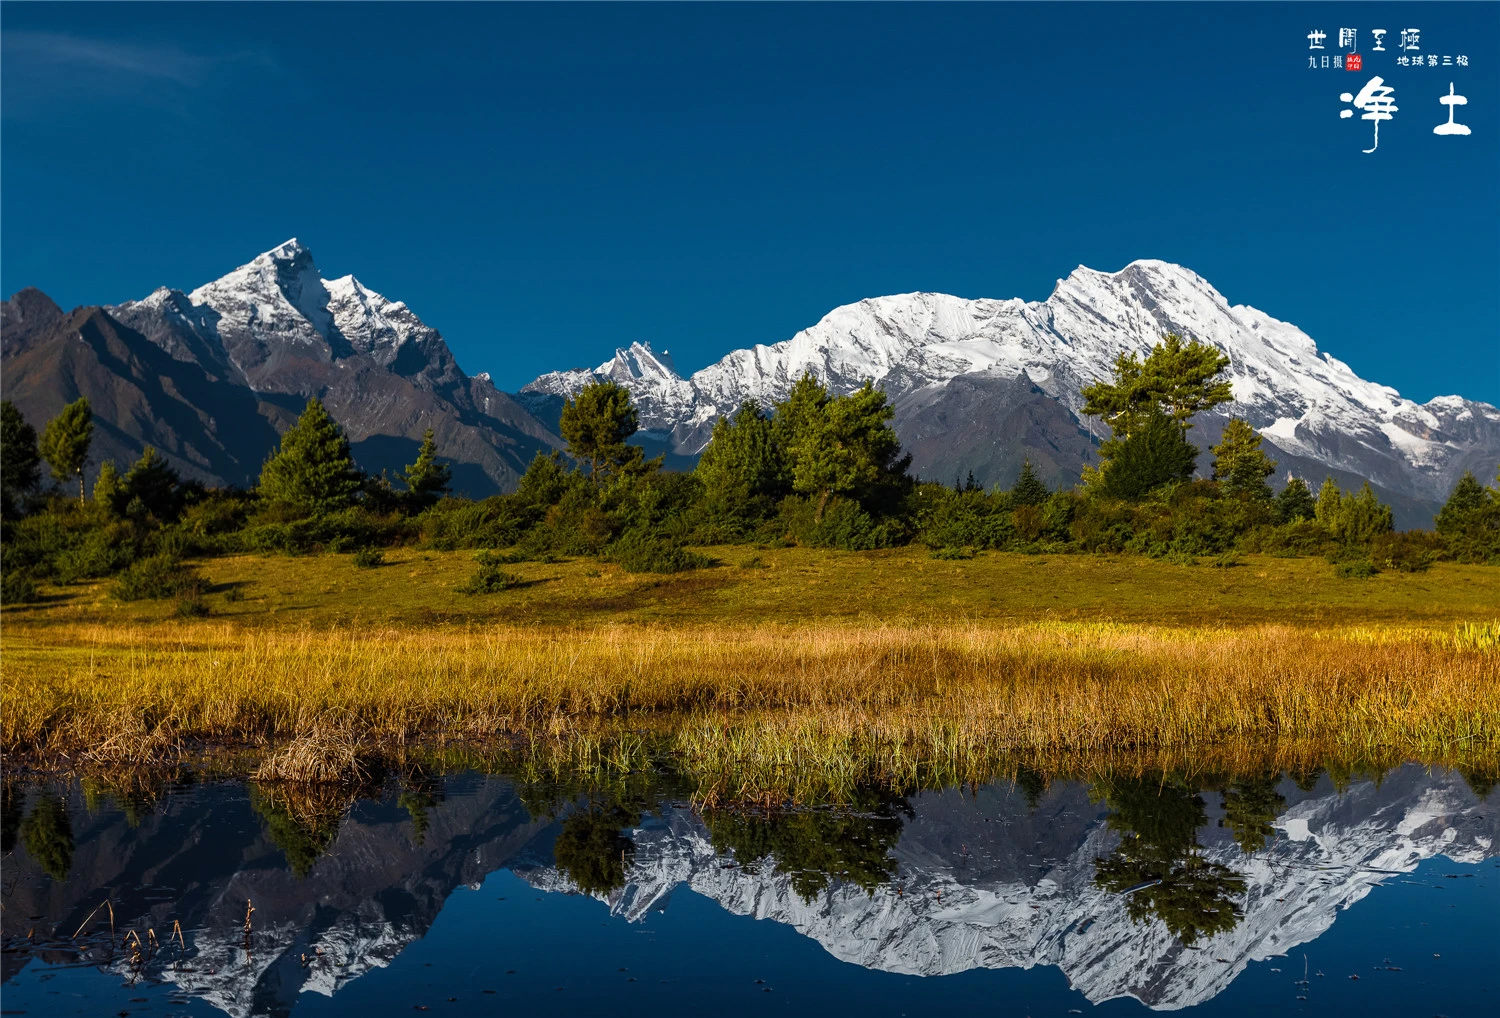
(420, 588)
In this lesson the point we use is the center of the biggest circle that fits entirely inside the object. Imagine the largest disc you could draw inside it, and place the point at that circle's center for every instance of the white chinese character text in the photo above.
(1375, 99)
(1450, 100)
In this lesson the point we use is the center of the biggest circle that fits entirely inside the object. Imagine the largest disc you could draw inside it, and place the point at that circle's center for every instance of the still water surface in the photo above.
(477, 894)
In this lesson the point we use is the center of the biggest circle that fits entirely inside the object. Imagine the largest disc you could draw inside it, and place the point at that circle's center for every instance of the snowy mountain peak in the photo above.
(286, 251)
(278, 305)
(638, 361)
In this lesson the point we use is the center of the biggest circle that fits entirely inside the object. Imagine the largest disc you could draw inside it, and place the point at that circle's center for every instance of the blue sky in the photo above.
(543, 184)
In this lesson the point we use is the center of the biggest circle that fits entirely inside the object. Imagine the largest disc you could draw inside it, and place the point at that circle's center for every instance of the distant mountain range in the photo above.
(211, 378)
(983, 384)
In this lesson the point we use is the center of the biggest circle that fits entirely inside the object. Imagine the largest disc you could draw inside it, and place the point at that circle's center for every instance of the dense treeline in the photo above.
(813, 469)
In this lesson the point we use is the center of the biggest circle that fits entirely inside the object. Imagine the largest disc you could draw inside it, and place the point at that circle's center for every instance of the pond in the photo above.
(472, 894)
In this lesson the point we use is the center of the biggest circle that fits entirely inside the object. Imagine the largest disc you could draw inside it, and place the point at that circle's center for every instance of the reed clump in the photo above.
(773, 697)
(329, 754)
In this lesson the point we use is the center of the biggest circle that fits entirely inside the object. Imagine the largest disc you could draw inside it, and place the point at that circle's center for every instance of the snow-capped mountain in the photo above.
(1311, 406)
(279, 308)
(276, 332)
(981, 885)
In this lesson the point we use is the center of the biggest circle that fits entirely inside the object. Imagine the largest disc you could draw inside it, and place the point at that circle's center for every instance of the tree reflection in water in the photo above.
(12, 804)
(301, 820)
(420, 792)
(815, 847)
(592, 849)
(1251, 805)
(1160, 862)
(48, 835)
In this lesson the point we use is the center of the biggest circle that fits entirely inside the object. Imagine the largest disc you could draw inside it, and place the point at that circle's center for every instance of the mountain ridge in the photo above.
(978, 385)
(1316, 413)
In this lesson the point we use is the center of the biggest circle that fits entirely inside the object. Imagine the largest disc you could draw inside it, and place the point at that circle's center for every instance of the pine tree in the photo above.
(1470, 521)
(1028, 489)
(1156, 453)
(848, 449)
(20, 460)
(109, 491)
(794, 419)
(743, 469)
(1467, 502)
(65, 442)
(1179, 377)
(596, 424)
(1365, 517)
(150, 486)
(1239, 465)
(1295, 502)
(1329, 510)
(427, 480)
(314, 471)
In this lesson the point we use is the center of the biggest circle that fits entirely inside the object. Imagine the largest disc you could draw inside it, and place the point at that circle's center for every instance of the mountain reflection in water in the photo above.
(1150, 887)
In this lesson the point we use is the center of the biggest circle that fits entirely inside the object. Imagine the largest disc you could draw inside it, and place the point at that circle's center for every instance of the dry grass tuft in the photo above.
(327, 755)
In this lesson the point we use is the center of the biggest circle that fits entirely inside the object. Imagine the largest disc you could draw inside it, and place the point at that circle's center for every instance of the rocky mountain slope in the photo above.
(980, 384)
(243, 354)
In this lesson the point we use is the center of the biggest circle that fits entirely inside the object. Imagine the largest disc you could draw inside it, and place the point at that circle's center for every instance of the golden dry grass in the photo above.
(768, 700)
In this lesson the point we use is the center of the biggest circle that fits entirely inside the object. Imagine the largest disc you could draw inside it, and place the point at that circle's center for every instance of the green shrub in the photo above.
(1407, 551)
(155, 578)
(489, 578)
(369, 558)
(17, 587)
(492, 523)
(845, 525)
(1302, 536)
(953, 554)
(191, 605)
(100, 552)
(1355, 569)
(639, 553)
(344, 530)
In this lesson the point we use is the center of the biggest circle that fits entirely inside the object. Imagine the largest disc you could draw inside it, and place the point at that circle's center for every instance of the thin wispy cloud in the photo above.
(46, 70)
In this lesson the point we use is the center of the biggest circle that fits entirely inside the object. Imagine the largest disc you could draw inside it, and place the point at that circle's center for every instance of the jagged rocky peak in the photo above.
(638, 360)
(279, 300)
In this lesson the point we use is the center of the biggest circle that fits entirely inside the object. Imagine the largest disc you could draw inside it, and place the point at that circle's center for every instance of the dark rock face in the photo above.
(206, 426)
(991, 425)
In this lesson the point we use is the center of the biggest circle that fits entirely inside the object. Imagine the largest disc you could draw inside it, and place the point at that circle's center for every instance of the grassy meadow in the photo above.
(418, 589)
(773, 667)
